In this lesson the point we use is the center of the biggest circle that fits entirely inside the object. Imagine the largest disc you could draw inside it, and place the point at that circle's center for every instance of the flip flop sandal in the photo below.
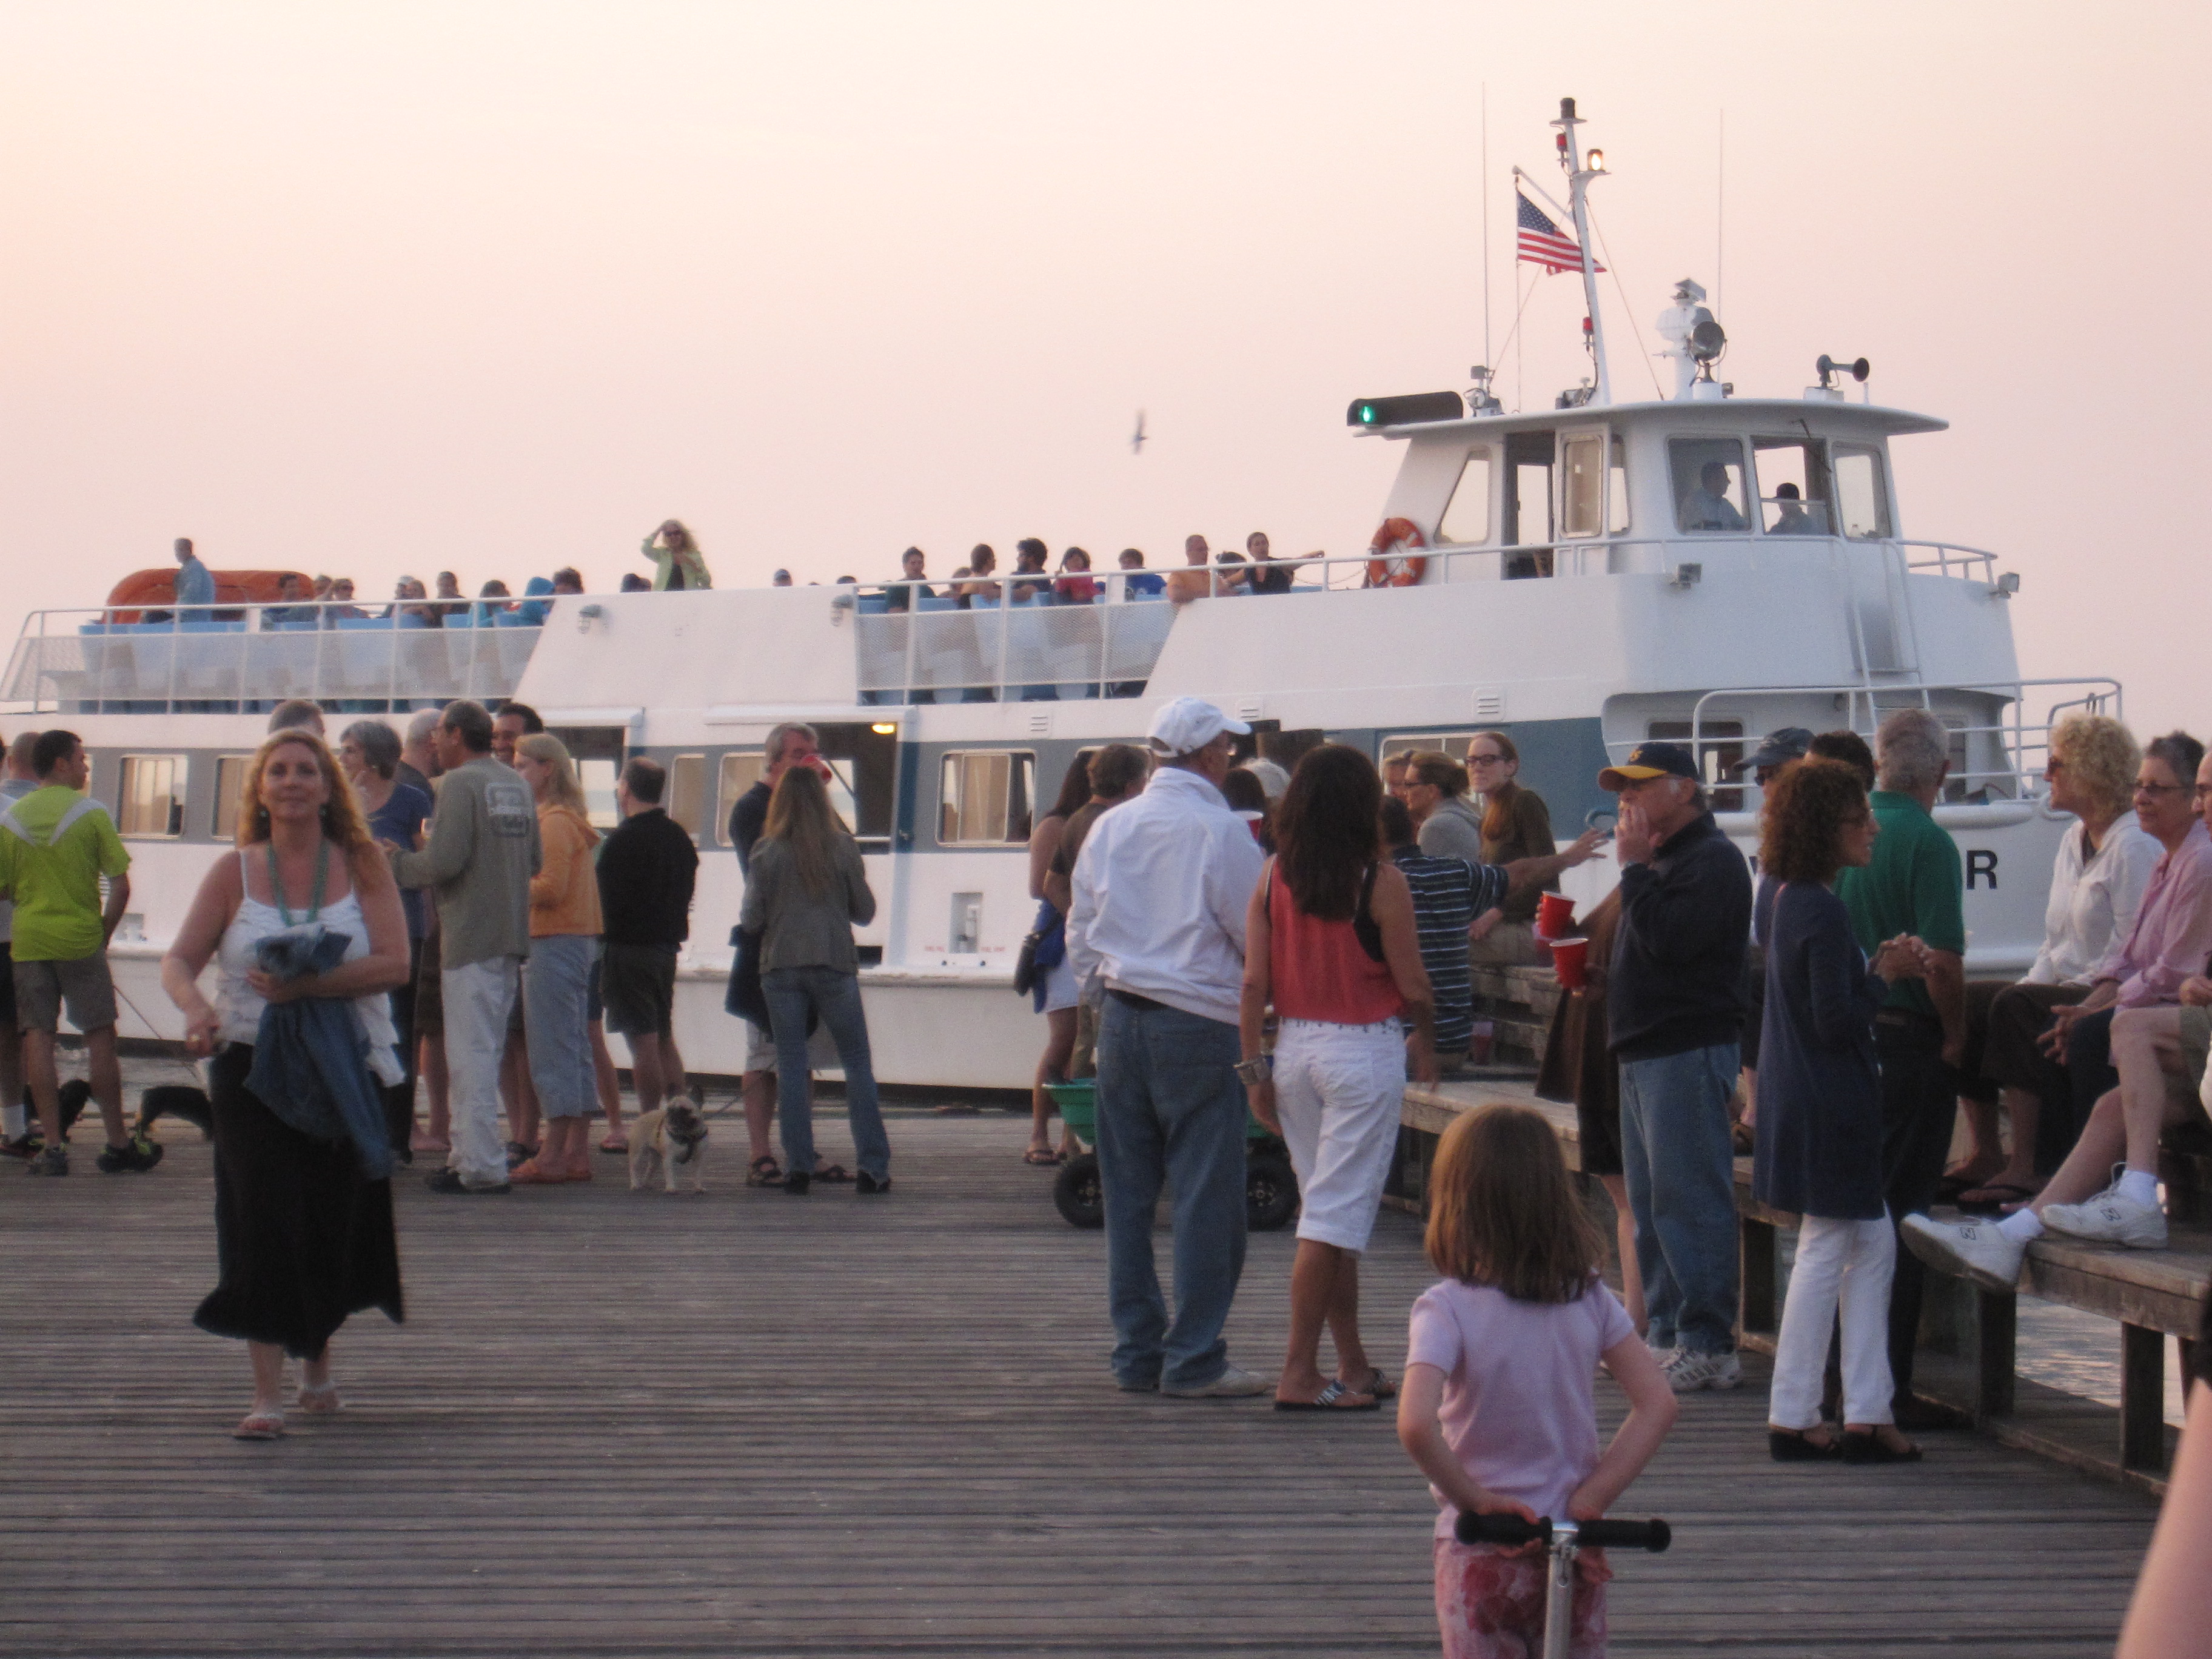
(765, 1172)
(834, 1172)
(615, 1145)
(1326, 1400)
(319, 1402)
(1041, 1158)
(1977, 1200)
(259, 1426)
(1379, 1385)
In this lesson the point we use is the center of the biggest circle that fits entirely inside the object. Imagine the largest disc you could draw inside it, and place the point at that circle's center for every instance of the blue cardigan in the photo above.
(1819, 1138)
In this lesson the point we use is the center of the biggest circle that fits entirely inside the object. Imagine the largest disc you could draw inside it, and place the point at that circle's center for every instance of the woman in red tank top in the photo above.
(1330, 943)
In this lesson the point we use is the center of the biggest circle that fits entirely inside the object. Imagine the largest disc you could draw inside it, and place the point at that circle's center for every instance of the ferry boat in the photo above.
(1704, 567)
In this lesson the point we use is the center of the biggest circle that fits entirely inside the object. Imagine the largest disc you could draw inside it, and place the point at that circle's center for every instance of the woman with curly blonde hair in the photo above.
(303, 1236)
(1819, 1114)
(2103, 866)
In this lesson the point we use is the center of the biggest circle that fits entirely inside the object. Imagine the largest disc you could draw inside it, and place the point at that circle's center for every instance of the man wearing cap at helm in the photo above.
(1674, 1012)
(1160, 891)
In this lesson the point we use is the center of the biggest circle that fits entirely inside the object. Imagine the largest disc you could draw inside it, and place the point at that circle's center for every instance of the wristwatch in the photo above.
(1255, 1071)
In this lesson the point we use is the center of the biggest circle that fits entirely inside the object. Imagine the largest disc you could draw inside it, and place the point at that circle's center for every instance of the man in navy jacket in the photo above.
(1675, 1017)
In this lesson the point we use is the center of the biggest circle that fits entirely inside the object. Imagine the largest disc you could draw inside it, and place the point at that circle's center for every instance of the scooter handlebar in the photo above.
(1510, 1530)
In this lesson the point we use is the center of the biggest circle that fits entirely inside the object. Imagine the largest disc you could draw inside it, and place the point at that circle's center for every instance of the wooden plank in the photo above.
(746, 1424)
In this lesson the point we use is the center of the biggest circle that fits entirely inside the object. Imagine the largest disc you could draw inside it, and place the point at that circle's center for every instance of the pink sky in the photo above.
(374, 289)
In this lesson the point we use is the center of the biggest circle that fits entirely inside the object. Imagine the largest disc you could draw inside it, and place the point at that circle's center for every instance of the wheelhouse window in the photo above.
(1525, 511)
(229, 780)
(1862, 492)
(1581, 455)
(1467, 516)
(1708, 476)
(1793, 488)
(151, 799)
(984, 799)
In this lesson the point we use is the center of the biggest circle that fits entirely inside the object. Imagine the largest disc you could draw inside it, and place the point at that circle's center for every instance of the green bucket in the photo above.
(1079, 1105)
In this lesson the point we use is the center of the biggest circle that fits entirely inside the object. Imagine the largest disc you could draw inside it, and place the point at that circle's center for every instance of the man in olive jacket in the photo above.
(483, 848)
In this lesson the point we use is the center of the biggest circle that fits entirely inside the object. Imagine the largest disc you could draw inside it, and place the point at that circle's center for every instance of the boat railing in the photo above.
(246, 658)
(2017, 739)
(1035, 640)
(1949, 559)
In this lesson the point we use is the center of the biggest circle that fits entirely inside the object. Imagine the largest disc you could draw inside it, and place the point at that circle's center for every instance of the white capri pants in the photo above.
(1339, 1090)
(1844, 1264)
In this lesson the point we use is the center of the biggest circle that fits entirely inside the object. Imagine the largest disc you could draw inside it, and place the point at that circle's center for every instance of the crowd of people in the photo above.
(1284, 941)
(677, 566)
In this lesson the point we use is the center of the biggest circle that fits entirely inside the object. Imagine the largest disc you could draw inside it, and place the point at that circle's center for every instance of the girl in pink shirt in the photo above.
(1497, 1406)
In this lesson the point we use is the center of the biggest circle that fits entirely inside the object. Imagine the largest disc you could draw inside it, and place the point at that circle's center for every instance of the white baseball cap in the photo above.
(1187, 725)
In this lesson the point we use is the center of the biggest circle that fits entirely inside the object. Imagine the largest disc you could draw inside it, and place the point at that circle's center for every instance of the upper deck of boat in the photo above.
(740, 1424)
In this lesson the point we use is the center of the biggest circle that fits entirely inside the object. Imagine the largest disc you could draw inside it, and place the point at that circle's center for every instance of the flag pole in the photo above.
(1577, 184)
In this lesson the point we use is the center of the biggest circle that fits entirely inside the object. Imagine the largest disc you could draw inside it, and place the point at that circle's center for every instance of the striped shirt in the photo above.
(1449, 893)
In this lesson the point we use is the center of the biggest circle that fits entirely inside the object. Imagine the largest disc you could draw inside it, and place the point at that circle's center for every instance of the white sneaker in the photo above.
(1233, 1383)
(2109, 1218)
(1973, 1250)
(1687, 1371)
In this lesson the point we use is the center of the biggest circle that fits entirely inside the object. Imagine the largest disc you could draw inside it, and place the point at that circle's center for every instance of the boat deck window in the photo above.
(1466, 517)
(1720, 746)
(1708, 475)
(151, 798)
(741, 770)
(229, 783)
(1861, 494)
(985, 797)
(687, 792)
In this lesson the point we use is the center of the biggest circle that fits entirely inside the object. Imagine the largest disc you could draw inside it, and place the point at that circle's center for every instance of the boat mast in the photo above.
(1578, 177)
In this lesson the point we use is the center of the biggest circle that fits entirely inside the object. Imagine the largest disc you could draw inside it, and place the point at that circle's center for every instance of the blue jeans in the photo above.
(1681, 1170)
(836, 996)
(1171, 1110)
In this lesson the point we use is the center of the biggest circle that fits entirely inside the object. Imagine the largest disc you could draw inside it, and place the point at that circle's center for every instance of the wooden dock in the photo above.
(742, 1424)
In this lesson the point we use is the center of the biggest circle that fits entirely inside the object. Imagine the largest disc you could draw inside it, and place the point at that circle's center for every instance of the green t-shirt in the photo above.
(1915, 885)
(54, 880)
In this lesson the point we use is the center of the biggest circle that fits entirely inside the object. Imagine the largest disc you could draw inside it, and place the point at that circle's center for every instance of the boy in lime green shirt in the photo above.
(55, 845)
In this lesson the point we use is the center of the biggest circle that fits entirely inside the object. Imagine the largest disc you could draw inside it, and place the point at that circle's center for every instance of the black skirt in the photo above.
(301, 1238)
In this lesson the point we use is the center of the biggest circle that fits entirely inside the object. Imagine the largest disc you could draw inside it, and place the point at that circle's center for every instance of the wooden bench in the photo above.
(1969, 1337)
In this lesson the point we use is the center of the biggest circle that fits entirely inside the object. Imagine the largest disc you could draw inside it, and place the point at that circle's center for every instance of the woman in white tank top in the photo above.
(303, 1238)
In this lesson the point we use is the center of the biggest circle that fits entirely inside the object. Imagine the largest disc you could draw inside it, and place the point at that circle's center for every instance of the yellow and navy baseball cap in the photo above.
(1648, 760)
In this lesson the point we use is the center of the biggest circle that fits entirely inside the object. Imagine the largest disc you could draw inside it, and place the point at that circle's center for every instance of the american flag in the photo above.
(1542, 242)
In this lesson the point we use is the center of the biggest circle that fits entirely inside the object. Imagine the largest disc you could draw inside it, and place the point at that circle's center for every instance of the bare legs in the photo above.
(106, 1074)
(758, 1089)
(268, 1362)
(1624, 1226)
(608, 1084)
(516, 1089)
(1989, 1163)
(1052, 1068)
(437, 1082)
(566, 1148)
(1324, 1291)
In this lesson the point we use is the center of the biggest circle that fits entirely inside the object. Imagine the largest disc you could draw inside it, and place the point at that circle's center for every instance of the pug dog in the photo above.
(665, 1141)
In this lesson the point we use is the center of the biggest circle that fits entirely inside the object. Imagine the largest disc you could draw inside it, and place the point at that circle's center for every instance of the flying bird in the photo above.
(1137, 438)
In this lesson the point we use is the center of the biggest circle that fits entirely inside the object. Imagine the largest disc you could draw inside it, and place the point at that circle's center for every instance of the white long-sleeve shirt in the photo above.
(2094, 900)
(1161, 887)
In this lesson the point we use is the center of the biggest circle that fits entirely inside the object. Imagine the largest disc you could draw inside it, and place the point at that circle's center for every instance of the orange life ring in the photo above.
(1384, 571)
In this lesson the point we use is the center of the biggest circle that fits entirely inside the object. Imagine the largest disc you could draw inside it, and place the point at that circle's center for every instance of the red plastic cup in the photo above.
(1555, 916)
(1568, 958)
